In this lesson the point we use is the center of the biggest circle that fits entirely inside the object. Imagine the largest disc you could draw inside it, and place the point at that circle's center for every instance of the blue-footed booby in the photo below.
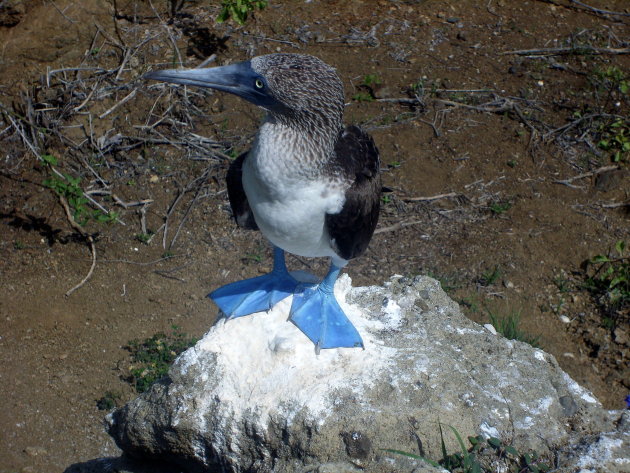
(311, 186)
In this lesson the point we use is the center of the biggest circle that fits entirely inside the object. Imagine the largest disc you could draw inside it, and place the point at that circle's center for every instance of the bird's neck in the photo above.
(299, 152)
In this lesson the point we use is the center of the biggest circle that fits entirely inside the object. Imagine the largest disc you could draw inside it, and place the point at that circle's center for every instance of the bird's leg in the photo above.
(256, 294)
(316, 312)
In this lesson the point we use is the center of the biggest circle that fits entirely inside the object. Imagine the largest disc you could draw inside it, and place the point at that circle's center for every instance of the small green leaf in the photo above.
(49, 159)
(511, 450)
(494, 442)
(600, 259)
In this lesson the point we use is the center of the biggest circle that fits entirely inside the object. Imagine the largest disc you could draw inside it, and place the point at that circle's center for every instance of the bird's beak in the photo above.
(238, 79)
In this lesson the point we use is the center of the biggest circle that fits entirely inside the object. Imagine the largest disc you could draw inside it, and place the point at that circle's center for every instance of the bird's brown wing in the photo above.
(238, 200)
(357, 158)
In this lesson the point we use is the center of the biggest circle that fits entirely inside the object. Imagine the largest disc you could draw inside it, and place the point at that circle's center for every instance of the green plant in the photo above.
(481, 456)
(610, 81)
(448, 282)
(489, 277)
(508, 326)
(18, 245)
(615, 138)
(607, 278)
(144, 237)
(363, 97)
(68, 187)
(500, 207)
(366, 88)
(152, 357)
(371, 80)
(239, 10)
(108, 401)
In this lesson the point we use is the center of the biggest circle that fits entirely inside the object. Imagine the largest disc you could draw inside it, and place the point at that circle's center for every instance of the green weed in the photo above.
(363, 97)
(371, 80)
(615, 138)
(508, 326)
(489, 277)
(366, 88)
(500, 207)
(144, 237)
(607, 278)
(481, 456)
(152, 357)
(239, 10)
(449, 282)
(109, 401)
(68, 187)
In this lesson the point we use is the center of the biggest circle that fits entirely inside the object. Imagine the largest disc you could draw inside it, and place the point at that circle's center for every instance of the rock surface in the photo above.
(253, 396)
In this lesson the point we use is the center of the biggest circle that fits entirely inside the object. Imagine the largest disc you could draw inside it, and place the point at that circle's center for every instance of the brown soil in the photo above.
(61, 354)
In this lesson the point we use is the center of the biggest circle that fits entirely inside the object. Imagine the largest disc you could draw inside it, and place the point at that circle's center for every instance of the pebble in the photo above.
(565, 319)
(490, 328)
(621, 336)
(35, 451)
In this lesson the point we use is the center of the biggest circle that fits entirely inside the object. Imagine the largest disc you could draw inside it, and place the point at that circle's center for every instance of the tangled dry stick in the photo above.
(84, 234)
(586, 49)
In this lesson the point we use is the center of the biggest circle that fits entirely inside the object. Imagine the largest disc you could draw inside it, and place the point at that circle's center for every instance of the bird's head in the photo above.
(294, 88)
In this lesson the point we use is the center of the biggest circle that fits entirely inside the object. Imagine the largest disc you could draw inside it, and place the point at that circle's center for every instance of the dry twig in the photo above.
(85, 235)
(397, 226)
(599, 11)
(585, 49)
(431, 198)
(568, 182)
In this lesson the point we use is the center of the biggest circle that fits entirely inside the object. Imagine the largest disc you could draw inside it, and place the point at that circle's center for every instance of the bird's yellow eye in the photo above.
(259, 84)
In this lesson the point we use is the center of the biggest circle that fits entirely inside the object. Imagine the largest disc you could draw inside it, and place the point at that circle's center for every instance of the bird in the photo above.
(310, 184)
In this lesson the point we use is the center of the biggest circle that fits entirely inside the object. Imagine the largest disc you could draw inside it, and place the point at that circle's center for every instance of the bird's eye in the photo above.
(259, 84)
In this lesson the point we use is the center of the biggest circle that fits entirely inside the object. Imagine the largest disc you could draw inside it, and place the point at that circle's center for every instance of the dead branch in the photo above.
(62, 12)
(615, 205)
(408, 100)
(598, 10)
(126, 205)
(498, 105)
(586, 49)
(129, 96)
(431, 198)
(140, 263)
(169, 33)
(397, 226)
(184, 218)
(568, 182)
(85, 235)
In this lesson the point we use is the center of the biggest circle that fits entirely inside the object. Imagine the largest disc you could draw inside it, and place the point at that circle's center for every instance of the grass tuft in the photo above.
(607, 279)
(508, 326)
(485, 455)
(152, 358)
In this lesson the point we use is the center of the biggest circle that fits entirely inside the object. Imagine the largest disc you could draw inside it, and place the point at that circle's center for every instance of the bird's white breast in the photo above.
(288, 202)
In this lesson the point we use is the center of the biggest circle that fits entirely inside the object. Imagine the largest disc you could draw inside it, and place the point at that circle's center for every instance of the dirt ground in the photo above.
(497, 185)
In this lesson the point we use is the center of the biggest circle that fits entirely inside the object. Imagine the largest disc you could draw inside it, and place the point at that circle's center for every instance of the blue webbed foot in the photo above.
(316, 312)
(256, 294)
